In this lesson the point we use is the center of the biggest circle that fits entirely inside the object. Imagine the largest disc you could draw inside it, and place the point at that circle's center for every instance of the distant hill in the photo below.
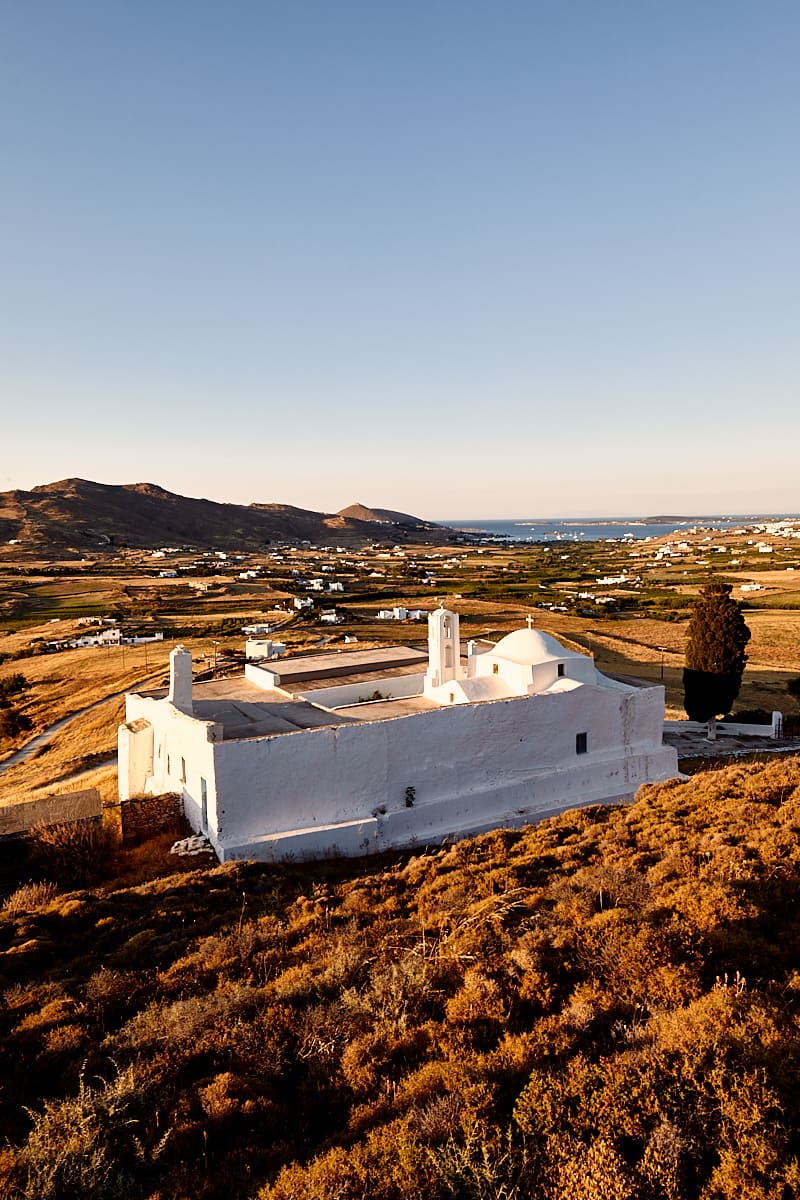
(81, 516)
(385, 516)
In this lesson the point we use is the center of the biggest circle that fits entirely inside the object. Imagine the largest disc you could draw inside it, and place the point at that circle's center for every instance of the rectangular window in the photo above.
(560, 670)
(183, 770)
(581, 743)
(168, 768)
(203, 805)
(495, 669)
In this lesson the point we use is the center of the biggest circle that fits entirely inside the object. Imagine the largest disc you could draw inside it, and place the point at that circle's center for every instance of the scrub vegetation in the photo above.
(603, 1006)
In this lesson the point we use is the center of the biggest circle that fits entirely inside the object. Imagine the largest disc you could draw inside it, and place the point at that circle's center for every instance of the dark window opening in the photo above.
(581, 743)
(560, 670)
(203, 805)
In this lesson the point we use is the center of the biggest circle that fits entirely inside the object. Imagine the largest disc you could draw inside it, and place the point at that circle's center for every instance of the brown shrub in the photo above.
(29, 897)
(74, 852)
(596, 1172)
(71, 1153)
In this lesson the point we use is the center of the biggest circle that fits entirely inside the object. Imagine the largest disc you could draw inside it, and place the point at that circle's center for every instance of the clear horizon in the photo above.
(563, 517)
(438, 257)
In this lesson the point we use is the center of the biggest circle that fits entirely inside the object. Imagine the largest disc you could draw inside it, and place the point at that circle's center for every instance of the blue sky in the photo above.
(458, 258)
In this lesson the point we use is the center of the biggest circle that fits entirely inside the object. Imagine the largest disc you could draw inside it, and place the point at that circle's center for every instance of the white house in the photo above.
(329, 616)
(258, 648)
(105, 637)
(392, 614)
(352, 752)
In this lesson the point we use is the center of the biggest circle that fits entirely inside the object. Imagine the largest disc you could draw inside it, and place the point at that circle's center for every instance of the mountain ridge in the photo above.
(77, 515)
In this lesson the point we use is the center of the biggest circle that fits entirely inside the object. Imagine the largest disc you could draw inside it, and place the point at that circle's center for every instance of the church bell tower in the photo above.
(444, 647)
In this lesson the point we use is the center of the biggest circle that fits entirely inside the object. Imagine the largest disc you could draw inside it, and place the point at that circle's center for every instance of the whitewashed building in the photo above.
(352, 752)
(257, 648)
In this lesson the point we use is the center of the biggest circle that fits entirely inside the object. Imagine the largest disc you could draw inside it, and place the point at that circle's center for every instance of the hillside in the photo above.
(605, 1005)
(384, 516)
(87, 517)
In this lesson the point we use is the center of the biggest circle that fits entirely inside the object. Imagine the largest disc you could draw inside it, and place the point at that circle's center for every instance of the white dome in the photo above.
(530, 646)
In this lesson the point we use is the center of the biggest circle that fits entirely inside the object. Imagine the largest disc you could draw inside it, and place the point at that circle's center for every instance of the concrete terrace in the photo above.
(247, 711)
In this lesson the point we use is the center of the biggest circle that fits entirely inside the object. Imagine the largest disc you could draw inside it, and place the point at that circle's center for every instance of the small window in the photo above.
(560, 670)
(581, 743)
(203, 805)
(452, 697)
(168, 766)
(183, 770)
(495, 668)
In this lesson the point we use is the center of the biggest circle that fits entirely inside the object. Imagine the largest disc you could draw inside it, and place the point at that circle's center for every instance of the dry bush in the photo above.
(106, 987)
(338, 1175)
(32, 994)
(479, 1001)
(477, 1167)
(185, 1021)
(50, 1015)
(29, 897)
(225, 1097)
(86, 1145)
(397, 992)
(68, 1039)
(596, 1172)
(439, 1119)
(74, 852)
(665, 1163)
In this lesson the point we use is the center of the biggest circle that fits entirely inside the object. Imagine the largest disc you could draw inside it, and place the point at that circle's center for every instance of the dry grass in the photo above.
(604, 1005)
(61, 684)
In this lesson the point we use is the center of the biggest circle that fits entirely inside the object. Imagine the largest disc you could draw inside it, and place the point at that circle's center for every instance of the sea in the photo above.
(593, 529)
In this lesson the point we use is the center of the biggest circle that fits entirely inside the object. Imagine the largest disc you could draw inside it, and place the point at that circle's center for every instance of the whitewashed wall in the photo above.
(468, 765)
(396, 688)
(177, 739)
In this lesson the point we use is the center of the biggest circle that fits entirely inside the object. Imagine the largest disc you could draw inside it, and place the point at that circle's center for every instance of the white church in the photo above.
(353, 752)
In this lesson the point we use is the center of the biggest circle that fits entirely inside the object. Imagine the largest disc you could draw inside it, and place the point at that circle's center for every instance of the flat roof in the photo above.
(381, 710)
(245, 710)
(330, 664)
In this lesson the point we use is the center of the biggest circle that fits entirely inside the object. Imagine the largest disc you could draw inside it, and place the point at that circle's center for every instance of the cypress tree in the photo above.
(715, 654)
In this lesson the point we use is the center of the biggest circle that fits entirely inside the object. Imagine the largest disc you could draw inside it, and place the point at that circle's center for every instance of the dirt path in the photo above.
(51, 732)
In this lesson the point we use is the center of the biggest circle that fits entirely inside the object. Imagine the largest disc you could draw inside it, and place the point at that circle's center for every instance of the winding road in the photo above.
(47, 735)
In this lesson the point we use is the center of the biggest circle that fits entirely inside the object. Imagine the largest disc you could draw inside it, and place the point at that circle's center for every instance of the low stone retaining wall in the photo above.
(141, 817)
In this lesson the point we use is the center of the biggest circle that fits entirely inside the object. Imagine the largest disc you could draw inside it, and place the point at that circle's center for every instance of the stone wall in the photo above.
(141, 817)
